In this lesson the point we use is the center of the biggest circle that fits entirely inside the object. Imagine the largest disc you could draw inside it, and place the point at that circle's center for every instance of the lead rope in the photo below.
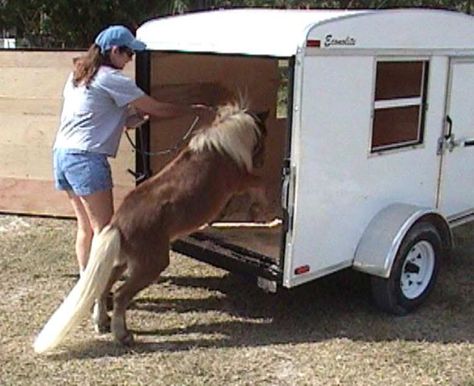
(143, 176)
(164, 151)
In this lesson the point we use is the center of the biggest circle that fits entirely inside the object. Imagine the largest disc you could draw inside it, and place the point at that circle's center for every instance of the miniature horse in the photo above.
(189, 192)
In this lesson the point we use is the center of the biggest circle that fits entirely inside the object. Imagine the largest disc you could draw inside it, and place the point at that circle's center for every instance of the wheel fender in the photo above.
(381, 240)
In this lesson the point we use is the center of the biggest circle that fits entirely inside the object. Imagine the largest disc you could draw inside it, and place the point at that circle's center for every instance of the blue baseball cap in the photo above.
(118, 35)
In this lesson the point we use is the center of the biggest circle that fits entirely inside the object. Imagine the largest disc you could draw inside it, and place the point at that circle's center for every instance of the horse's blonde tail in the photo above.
(105, 248)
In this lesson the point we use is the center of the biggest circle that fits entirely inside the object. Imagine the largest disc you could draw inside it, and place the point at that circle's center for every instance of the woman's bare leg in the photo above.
(93, 212)
(84, 231)
(99, 207)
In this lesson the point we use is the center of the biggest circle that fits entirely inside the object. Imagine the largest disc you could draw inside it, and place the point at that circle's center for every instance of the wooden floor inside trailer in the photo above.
(264, 239)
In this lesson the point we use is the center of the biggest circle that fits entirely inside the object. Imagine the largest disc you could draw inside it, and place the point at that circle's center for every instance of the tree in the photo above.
(58, 23)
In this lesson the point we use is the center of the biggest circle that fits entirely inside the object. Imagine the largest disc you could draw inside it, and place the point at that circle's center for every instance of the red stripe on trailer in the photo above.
(313, 43)
(302, 269)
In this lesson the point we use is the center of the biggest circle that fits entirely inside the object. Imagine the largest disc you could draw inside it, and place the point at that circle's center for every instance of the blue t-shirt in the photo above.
(93, 117)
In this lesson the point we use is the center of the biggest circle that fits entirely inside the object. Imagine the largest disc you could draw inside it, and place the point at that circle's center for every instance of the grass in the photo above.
(202, 326)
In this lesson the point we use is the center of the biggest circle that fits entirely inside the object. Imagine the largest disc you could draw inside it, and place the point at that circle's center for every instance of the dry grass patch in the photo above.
(200, 325)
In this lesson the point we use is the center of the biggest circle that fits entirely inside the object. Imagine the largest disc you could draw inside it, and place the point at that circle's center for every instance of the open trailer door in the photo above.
(323, 231)
(456, 194)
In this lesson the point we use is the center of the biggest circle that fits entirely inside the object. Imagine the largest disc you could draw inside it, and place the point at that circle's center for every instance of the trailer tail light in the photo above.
(313, 43)
(302, 269)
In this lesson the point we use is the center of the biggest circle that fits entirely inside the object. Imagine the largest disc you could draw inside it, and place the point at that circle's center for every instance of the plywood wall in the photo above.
(31, 85)
(213, 79)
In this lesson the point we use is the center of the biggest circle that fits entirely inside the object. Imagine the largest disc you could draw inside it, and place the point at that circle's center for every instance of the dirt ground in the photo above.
(203, 326)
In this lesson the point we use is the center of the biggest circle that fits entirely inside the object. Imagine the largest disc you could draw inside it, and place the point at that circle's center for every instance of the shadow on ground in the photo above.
(335, 307)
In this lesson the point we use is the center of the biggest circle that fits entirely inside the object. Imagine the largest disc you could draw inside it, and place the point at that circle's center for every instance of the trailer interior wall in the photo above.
(216, 79)
(30, 102)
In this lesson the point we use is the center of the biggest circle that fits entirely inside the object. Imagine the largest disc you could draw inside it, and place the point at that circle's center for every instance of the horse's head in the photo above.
(258, 154)
(236, 132)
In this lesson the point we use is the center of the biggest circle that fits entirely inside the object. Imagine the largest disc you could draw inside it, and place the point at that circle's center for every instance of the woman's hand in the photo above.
(164, 110)
(204, 111)
(136, 120)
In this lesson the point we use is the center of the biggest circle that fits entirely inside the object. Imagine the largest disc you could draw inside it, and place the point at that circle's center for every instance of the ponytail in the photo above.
(87, 65)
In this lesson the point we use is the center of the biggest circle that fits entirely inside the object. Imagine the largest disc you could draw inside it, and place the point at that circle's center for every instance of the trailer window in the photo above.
(400, 90)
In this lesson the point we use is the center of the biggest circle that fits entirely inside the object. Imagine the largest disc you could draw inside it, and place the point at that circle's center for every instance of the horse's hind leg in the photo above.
(100, 318)
(141, 273)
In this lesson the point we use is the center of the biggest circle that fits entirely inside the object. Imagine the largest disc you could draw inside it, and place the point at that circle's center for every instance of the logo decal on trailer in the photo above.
(330, 41)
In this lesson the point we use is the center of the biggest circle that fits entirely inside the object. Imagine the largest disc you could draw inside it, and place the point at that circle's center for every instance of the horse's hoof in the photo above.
(102, 327)
(255, 212)
(125, 340)
(109, 301)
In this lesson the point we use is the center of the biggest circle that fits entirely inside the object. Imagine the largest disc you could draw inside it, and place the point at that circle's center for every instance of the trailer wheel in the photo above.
(413, 273)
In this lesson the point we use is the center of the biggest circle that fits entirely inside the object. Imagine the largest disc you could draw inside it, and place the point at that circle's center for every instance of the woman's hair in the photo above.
(87, 65)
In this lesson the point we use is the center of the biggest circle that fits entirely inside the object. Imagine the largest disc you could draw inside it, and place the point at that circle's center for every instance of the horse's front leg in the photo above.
(260, 204)
(251, 181)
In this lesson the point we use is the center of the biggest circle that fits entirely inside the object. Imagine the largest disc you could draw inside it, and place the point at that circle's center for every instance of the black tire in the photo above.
(388, 293)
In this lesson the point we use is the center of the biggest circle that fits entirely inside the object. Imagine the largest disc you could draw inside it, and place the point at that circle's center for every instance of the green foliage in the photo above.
(61, 23)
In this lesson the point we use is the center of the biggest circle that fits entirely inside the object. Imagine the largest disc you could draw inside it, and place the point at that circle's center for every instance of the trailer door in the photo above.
(329, 161)
(456, 195)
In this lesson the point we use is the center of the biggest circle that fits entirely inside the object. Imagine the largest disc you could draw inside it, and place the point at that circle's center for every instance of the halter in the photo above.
(258, 147)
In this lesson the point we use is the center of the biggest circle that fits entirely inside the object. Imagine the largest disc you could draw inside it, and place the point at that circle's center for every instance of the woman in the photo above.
(97, 101)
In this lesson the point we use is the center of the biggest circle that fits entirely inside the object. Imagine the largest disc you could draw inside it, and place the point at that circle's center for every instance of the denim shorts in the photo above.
(81, 172)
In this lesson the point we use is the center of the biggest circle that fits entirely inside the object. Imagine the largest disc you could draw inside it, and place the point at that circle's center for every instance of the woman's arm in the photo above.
(148, 105)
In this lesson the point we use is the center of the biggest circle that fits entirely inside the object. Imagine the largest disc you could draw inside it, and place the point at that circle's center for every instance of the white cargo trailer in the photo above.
(368, 165)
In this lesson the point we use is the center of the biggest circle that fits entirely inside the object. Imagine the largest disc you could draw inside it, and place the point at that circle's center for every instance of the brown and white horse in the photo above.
(189, 192)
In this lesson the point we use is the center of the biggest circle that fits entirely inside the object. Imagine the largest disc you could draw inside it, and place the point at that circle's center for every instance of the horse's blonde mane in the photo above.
(233, 132)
